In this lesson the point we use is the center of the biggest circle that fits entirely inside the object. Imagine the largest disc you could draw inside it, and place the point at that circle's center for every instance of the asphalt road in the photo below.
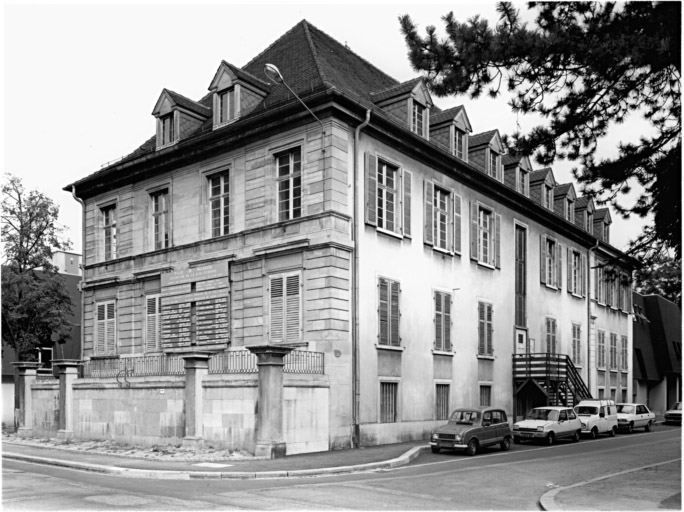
(492, 480)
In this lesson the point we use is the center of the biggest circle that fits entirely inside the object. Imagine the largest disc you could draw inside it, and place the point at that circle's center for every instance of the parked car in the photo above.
(548, 424)
(597, 417)
(674, 413)
(631, 416)
(470, 428)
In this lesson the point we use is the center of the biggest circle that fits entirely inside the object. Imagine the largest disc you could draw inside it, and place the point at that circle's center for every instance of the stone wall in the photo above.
(45, 402)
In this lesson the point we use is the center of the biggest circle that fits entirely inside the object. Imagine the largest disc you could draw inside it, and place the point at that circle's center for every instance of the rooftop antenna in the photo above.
(274, 75)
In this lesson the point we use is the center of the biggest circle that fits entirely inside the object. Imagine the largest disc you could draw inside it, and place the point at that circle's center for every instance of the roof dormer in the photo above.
(409, 103)
(564, 198)
(485, 151)
(602, 222)
(584, 213)
(517, 169)
(177, 118)
(450, 129)
(235, 93)
(542, 184)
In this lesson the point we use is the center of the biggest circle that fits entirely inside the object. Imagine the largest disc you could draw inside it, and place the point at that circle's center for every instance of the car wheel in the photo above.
(549, 439)
(630, 427)
(647, 428)
(576, 436)
(435, 449)
(611, 432)
(516, 440)
(472, 447)
(506, 444)
(594, 433)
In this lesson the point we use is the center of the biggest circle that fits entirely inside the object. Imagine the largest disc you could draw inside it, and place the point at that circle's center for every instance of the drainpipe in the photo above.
(355, 434)
(591, 250)
(83, 213)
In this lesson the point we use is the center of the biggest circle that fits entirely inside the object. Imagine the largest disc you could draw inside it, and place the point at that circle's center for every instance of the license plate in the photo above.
(525, 435)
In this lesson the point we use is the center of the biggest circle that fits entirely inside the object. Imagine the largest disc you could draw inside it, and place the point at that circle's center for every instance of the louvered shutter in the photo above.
(428, 221)
(100, 332)
(407, 203)
(394, 314)
(231, 103)
(439, 321)
(490, 328)
(583, 277)
(457, 223)
(497, 240)
(450, 223)
(481, 328)
(447, 322)
(474, 232)
(110, 328)
(620, 292)
(292, 307)
(499, 169)
(152, 318)
(542, 258)
(559, 266)
(277, 307)
(371, 190)
(596, 285)
(570, 264)
(383, 311)
(629, 297)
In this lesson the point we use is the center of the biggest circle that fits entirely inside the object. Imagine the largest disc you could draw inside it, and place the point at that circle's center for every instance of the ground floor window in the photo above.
(485, 396)
(624, 395)
(442, 405)
(388, 402)
(601, 393)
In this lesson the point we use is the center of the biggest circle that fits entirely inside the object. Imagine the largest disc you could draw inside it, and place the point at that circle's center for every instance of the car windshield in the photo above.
(625, 409)
(586, 410)
(677, 406)
(468, 417)
(543, 414)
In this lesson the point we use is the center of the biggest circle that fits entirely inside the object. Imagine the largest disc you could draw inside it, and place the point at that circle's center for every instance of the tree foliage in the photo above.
(35, 302)
(663, 277)
(582, 67)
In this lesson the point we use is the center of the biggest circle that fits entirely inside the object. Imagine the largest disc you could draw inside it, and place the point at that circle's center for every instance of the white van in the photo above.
(597, 417)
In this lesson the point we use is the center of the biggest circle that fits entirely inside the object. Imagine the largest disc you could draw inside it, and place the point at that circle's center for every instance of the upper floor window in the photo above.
(484, 235)
(485, 329)
(219, 203)
(522, 182)
(613, 351)
(551, 262)
(570, 210)
(493, 164)
(547, 196)
(551, 347)
(225, 106)
(577, 344)
(600, 284)
(160, 219)
(576, 264)
(461, 144)
(589, 226)
(388, 196)
(109, 231)
(418, 119)
(388, 312)
(606, 232)
(289, 181)
(624, 354)
(442, 321)
(167, 129)
(601, 349)
(285, 307)
(442, 216)
(105, 328)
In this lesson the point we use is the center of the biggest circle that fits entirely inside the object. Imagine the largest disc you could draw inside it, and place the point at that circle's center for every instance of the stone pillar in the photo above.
(67, 369)
(196, 367)
(27, 372)
(270, 442)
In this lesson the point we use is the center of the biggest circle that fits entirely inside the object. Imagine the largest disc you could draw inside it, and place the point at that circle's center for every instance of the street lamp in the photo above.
(274, 75)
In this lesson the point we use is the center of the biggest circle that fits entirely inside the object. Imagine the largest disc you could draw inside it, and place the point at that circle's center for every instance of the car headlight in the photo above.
(434, 436)
(540, 429)
(584, 425)
(516, 427)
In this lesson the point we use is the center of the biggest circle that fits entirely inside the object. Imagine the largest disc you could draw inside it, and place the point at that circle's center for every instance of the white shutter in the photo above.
(277, 309)
(100, 329)
(152, 319)
(292, 309)
(439, 321)
(447, 322)
(457, 223)
(110, 329)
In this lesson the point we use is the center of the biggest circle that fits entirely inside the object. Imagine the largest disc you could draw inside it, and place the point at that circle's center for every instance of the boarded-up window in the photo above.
(285, 308)
(388, 312)
(105, 328)
(152, 322)
(388, 402)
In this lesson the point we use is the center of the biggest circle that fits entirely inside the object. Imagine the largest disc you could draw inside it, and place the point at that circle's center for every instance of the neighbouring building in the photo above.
(413, 265)
(657, 352)
(68, 265)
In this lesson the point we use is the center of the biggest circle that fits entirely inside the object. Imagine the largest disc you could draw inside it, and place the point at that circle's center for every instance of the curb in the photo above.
(162, 474)
(548, 499)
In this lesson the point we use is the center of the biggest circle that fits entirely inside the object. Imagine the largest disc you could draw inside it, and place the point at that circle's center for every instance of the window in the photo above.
(289, 184)
(460, 144)
(576, 265)
(105, 328)
(442, 402)
(109, 231)
(589, 226)
(624, 395)
(606, 232)
(520, 276)
(599, 285)
(485, 330)
(624, 354)
(547, 196)
(152, 322)
(551, 345)
(388, 312)
(613, 351)
(442, 321)
(485, 396)
(601, 349)
(160, 219)
(522, 183)
(418, 119)
(285, 308)
(563, 416)
(167, 129)
(601, 393)
(570, 210)
(551, 262)
(493, 167)
(442, 216)
(576, 344)
(388, 402)
(219, 203)
(388, 197)
(225, 106)
(485, 235)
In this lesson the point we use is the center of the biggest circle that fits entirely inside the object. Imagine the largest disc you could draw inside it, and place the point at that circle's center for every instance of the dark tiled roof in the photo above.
(563, 189)
(511, 159)
(248, 77)
(582, 202)
(540, 175)
(601, 213)
(188, 104)
(396, 90)
(447, 115)
(480, 139)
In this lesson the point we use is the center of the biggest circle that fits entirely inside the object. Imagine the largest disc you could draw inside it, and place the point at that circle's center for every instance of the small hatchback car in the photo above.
(631, 416)
(674, 413)
(470, 428)
(548, 424)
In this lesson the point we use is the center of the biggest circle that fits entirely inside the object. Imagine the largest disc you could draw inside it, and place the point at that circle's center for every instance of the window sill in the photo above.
(170, 144)
(550, 287)
(390, 233)
(601, 368)
(613, 370)
(389, 347)
(574, 295)
(486, 357)
(442, 251)
(225, 123)
(485, 265)
(442, 353)
(109, 356)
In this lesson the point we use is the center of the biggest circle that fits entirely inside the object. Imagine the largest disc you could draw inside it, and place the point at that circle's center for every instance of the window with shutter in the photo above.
(105, 328)
(406, 203)
(388, 312)
(442, 302)
(485, 234)
(388, 196)
(285, 308)
(576, 344)
(551, 335)
(457, 224)
(152, 322)
(485, 329)
(601, 346)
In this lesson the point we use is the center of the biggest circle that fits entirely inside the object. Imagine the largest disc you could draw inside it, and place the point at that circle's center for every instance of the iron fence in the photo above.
(302, 361)
(234, 361)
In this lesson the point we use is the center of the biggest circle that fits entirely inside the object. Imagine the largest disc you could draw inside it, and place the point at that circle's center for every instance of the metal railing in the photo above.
(141, 366)
(301, 361)
(234, 361)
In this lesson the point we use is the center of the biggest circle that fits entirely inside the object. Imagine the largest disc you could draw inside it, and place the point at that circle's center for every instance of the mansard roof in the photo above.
(396, 90)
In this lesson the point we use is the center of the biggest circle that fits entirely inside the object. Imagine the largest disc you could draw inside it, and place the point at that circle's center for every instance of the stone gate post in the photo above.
(67, 370)
(27, 372)
(196, 368)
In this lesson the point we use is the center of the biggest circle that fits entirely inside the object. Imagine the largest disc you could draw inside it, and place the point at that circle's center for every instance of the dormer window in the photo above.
(523, 182)
(167, 129)
(460, 144)
(226, 105)
(606, 232)
(570, 210)
(547, 193)
(494, 159)
(418, 119)
(590, 222)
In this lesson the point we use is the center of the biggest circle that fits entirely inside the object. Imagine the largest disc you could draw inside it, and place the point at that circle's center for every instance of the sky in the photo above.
(81, 79)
